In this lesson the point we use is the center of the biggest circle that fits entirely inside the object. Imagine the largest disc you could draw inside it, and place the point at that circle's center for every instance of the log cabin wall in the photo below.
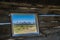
(6, 8)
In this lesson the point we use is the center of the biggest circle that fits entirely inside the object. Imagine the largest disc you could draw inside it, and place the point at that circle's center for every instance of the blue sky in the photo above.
(23, 17)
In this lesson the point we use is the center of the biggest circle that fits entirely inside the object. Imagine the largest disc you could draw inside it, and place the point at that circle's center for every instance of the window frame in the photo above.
(37, 26)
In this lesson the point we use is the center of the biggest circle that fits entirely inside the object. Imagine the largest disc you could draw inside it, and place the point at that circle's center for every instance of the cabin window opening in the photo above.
(24, 24)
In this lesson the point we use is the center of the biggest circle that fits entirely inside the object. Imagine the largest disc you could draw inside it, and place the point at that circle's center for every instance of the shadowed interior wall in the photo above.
(5, 29)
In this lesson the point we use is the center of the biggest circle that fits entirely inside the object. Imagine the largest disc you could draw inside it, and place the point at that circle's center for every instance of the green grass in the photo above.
(22, 29)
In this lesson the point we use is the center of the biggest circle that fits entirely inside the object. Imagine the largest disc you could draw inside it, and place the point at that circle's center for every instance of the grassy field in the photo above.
(22, 29)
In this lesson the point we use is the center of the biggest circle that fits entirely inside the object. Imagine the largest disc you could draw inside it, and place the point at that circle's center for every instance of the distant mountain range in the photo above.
(24, 23)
